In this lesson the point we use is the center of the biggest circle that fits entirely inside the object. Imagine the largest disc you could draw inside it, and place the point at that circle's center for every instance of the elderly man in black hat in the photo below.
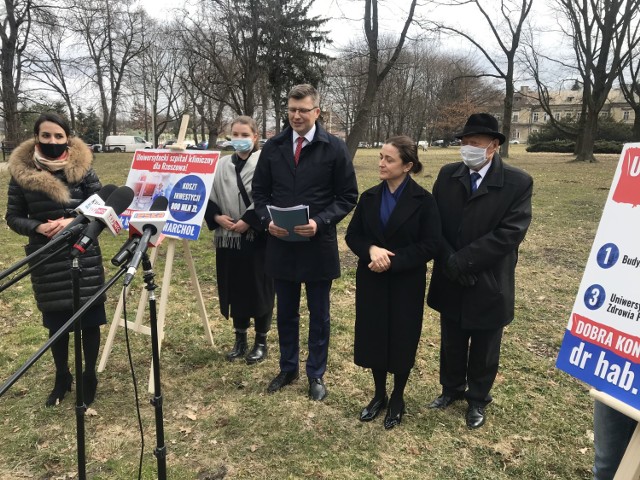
(485, 209)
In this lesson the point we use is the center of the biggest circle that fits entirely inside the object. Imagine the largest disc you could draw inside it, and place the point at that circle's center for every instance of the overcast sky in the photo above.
(346, 24)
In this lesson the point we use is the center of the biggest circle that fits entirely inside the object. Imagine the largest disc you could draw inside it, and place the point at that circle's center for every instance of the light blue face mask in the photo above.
(242, 144)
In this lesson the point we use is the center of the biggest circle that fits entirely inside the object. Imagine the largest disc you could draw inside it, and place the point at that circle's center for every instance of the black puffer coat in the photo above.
(36, 196)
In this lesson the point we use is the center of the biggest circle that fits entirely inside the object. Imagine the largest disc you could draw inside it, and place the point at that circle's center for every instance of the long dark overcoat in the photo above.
(390, 305)
(483, 232)
(325, 181)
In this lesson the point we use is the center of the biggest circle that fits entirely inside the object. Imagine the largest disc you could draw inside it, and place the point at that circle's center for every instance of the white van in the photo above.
(124, 143)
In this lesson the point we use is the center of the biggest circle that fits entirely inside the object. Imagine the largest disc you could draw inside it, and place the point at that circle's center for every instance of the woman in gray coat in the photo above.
(394, 231)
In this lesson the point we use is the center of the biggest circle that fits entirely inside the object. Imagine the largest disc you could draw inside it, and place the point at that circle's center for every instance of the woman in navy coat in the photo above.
(395, 231)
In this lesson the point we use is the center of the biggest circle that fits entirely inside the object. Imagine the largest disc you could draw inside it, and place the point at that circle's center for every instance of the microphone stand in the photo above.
(161, 450)
(81, 408)
(62, 237)
(54, 338)
(23, 262)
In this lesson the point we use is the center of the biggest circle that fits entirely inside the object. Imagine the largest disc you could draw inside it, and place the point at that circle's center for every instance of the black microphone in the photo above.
(150, 224)
(125, 251)
(106, 216)
(77, 224)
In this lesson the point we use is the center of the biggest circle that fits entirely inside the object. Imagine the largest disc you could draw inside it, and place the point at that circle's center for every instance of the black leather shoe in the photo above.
(372, 410)
(391, 421)
(258, 353)
(317, 390)
(475, 416)
(61, 387)
(239, 347)
(281, 380)
(443, 401)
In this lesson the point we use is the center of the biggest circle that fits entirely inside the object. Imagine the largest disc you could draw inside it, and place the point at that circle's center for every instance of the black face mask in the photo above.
(53, 150)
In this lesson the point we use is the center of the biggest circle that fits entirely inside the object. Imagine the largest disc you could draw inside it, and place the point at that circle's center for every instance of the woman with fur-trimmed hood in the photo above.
(50, 176)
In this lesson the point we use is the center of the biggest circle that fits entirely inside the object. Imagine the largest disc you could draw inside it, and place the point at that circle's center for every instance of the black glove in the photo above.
(467, 279)
(453, 273)
(450, 268)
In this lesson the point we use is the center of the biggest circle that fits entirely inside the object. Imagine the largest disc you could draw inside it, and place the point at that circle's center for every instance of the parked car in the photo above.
(456, 142)
(439, 143)
(514, 142)
(224, 145)
(96, 147)
(423, 144)
(125, 143)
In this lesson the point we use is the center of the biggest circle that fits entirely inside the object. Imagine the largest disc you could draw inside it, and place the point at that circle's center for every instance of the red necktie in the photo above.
(296, 156)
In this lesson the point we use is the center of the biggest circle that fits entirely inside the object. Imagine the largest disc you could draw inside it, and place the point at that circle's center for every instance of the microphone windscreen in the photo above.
(159, 204)
(120, 199)
(106, 191)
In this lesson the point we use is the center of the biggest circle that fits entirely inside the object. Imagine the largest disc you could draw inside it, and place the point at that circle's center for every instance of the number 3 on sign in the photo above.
(594, 297)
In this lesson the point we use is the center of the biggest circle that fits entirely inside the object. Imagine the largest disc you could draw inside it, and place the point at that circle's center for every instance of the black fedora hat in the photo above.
(483, 124)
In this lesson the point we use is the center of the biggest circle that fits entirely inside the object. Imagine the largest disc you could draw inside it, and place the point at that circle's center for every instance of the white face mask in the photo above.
(472, 156)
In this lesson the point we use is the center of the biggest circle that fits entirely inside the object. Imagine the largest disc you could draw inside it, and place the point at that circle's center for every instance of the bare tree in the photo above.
(376, 72)
(112, 31)
(506, 22)
(630, 86)
(157, 77)
(53, 59)
(211, 76)
(14, 37)
(345, 85)
(604, 35)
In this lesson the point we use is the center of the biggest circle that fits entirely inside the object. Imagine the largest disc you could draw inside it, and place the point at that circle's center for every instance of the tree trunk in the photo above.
(507, 117)
(635, 132)
(9, 93)
(585, 152)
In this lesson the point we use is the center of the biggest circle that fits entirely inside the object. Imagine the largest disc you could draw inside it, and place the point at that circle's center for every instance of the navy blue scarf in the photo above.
(389, 201)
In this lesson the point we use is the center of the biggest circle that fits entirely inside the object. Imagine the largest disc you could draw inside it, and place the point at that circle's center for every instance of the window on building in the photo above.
(557, 115)
(534, 130)
(625, 115)
(515, 117)
(545, 117)
(535, 116)
(568, 114)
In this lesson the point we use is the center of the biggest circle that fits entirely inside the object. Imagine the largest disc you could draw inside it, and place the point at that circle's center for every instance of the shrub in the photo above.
(561, 146)
(602, 146)
(564, 146)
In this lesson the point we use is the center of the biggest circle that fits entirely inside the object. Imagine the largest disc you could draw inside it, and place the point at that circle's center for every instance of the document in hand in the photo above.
(289, 217)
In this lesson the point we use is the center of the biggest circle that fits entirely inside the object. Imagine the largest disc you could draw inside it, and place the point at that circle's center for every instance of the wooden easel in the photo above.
(137, 326)
(629, 468)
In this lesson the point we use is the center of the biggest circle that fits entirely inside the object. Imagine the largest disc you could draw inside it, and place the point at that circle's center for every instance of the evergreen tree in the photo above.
(291, 49)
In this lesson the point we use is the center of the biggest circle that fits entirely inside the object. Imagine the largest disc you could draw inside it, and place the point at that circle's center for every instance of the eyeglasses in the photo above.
(301, 111)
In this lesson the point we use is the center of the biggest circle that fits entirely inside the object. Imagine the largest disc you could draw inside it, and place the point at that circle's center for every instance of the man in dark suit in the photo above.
(304, 165)
(485, 209)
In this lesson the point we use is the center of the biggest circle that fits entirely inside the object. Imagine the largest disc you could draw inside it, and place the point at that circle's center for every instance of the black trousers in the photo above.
(262, 323)
(469, 361)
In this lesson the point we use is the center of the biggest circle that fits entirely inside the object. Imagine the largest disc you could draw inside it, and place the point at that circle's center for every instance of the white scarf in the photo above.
(226, 195)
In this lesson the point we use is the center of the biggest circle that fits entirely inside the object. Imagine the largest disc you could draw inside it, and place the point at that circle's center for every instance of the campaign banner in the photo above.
(183, 177)
(601, 345)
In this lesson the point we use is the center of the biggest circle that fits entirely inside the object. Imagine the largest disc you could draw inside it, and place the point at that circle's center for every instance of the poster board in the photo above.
(601, 345)
(184, 177)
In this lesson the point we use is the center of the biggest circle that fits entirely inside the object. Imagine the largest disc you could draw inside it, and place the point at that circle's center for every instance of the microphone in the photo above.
(125, 251)
(102, 217)
(76, 225)
(148, 227)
